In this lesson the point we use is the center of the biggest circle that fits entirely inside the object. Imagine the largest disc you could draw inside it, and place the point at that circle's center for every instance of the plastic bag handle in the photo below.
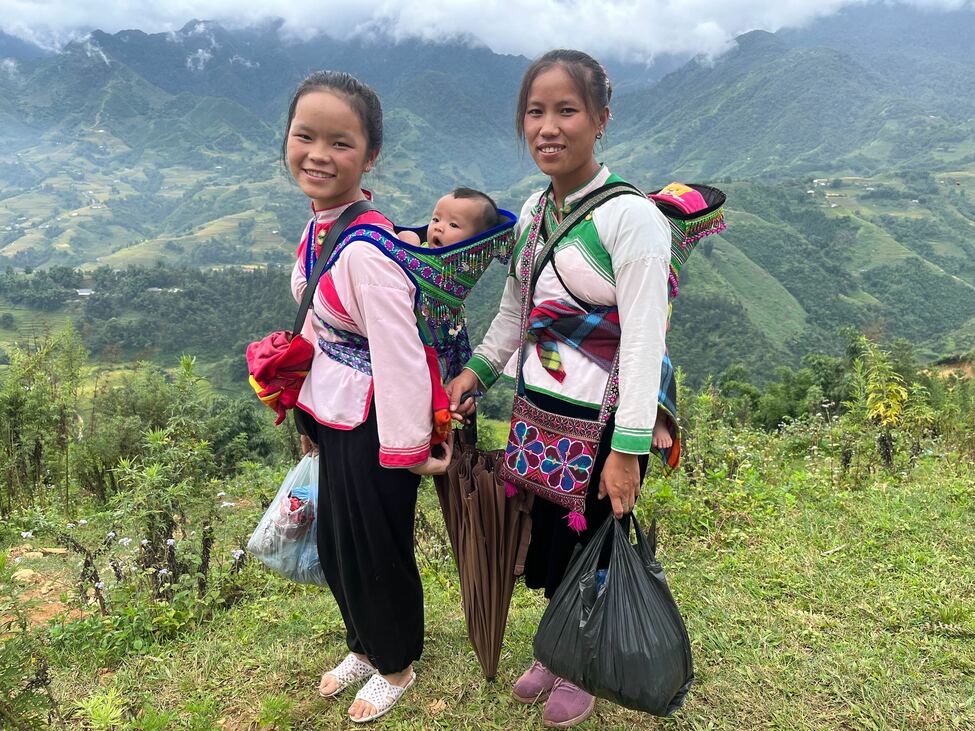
(641, 539)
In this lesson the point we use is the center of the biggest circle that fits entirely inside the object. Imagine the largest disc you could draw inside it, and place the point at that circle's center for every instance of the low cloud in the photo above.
(629, 30)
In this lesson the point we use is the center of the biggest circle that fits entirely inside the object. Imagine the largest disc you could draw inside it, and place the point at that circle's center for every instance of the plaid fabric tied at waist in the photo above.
(594, 333)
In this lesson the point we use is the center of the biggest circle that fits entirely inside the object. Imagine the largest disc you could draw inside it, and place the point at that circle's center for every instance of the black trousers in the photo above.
(366, 519)
(552, 540)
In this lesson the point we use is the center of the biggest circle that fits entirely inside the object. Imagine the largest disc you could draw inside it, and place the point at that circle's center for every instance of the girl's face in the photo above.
(328, 149)
(560, 132)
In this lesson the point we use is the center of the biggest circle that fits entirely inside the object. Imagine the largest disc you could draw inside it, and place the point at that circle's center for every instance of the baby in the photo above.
(461, 214)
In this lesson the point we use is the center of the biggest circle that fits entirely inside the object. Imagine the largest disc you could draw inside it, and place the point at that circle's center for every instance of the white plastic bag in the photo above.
(285, 538)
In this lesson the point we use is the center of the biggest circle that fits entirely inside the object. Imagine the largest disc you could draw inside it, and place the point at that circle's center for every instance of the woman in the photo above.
(615, 259)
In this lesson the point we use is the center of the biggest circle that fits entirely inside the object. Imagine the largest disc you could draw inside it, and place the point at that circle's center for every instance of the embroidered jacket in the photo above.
(617, 256)
(366, 293)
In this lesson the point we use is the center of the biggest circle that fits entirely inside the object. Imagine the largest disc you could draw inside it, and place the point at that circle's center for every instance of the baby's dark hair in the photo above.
(587, 74)
(489, 215)
(360, 97)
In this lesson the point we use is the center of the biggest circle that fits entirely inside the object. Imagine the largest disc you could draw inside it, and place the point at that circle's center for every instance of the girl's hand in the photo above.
(620, 479)
(436, 465)
(465, 382)
(307, 445)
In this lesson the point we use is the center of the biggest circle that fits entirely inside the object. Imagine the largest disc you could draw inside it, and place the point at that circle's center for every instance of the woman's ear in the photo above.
(604, 117)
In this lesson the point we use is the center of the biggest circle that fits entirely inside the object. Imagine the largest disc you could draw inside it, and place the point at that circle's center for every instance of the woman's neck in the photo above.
(565, 185)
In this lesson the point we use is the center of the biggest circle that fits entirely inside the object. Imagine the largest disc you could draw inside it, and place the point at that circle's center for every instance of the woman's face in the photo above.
(327, 149)
(560, 132)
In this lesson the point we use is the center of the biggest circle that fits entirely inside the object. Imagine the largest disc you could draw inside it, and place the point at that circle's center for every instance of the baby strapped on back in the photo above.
(460, 215)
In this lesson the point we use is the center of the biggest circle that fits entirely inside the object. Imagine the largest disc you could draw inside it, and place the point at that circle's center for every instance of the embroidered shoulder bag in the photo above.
(549, 454)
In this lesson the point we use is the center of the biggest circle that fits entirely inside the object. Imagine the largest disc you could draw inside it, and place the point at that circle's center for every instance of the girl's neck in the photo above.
(565, 185)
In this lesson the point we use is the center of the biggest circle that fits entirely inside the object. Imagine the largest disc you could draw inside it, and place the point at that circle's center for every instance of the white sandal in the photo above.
(381, 694)
(350, 670)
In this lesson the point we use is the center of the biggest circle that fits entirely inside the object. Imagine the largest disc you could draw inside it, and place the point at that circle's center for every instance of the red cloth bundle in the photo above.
(278, 365)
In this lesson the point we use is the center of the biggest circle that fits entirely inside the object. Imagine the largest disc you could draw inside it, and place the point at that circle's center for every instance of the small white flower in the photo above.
(124, 541)
(26, 534)
(237, 554)
(70, 526)
(170, 541)
(110, 534)
(100, 585)
(82, 522)
(227, 504)
(163, 572)
(221, 494)
(144, 542)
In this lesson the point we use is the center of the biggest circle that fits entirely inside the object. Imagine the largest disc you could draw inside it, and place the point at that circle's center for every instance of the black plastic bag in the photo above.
(613, 627)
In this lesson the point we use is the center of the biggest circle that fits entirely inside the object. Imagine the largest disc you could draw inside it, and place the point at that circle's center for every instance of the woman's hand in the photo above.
(620, 479)
(307, 445)
(436, 465)
(466, 381)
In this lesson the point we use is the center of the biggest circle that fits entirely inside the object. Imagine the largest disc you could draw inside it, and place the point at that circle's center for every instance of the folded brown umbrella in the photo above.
(489, 536)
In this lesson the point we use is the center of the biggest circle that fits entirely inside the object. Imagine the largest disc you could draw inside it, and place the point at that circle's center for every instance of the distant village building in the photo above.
(85, 292)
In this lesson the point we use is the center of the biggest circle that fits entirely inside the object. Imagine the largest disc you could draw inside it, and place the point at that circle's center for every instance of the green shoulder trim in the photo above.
(585, 239)
(519, 247)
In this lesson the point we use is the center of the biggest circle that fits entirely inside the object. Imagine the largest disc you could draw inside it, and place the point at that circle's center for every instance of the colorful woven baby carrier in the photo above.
(693, 211)
(443, 278)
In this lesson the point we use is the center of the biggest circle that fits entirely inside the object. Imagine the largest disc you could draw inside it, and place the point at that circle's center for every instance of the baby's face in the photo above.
(453, 220)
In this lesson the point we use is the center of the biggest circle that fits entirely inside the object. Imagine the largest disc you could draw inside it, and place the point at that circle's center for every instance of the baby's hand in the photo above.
(409, 237)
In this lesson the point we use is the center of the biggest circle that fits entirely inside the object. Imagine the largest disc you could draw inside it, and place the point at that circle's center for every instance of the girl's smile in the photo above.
(327, 149)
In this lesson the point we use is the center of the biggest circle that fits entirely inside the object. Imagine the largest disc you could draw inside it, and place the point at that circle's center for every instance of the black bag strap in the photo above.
(328, 246)
(586, 206)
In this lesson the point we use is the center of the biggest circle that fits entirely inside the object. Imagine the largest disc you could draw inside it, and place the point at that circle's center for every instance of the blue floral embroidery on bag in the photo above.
(566, 464)
(524, 450)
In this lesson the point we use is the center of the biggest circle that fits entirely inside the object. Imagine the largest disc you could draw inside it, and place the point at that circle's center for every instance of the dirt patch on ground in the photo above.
(966, 369)
(41, 607)
(40, 591)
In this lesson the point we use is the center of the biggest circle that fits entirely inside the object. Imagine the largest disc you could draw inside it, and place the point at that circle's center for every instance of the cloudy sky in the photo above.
(633, 30)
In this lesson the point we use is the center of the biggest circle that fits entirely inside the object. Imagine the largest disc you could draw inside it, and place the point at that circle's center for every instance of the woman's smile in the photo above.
(560, 132)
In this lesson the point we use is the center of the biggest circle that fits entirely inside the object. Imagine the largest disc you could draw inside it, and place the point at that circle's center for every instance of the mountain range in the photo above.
(847, 149)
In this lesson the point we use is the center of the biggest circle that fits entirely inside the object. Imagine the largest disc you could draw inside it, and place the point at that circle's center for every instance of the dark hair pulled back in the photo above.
(361, 97)
(588, 75)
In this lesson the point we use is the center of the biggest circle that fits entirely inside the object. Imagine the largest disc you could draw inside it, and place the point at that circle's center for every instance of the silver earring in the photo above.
(599, 135)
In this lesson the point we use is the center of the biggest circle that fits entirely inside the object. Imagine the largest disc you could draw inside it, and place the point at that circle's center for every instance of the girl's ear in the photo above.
(370, 161)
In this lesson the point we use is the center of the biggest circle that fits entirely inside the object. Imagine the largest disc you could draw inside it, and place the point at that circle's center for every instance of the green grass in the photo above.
(808, 606)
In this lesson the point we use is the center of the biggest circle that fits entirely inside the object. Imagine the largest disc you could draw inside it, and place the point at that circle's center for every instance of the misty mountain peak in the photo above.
(760, 41)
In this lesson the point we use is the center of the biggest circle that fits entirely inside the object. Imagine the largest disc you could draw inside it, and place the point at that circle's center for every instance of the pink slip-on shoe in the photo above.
(534, 684)
(567, 705)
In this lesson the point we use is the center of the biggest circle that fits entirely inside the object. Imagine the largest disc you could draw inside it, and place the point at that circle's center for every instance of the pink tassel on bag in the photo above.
(510, 490)
(577, 521)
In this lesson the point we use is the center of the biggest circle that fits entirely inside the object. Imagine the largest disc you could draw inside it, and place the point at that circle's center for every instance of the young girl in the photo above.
(372, 435)
(617, 257)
